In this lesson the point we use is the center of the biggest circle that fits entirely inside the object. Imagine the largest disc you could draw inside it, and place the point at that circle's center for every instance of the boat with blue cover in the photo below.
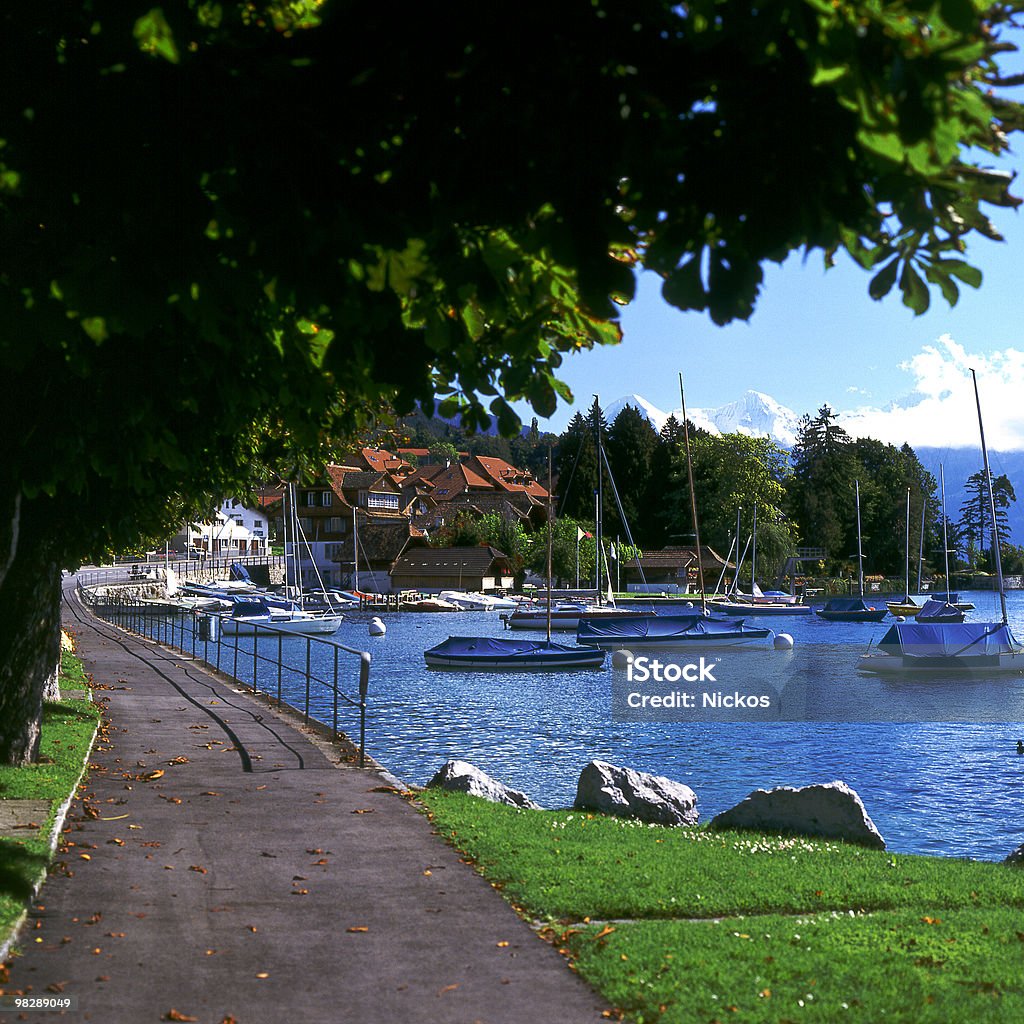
(696, 630)
(934, 610)
(850, 609)
(502, 654)
(945, 647)
(953, 647)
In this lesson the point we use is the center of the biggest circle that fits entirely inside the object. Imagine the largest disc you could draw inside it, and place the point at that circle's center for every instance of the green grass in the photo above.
(67, 731)
(689, 925)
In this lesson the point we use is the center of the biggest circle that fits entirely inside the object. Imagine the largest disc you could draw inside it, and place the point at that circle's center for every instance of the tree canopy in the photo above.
(233, 232)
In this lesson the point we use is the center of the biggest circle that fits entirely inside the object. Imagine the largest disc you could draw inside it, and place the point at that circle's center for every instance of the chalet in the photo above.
(478, 484)
(480, 568)
(352, 506)
(673, 568)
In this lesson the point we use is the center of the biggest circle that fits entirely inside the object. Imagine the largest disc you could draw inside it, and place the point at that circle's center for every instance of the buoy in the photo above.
(377, 627)
(783, 642)
(622, 659)
(900, 618)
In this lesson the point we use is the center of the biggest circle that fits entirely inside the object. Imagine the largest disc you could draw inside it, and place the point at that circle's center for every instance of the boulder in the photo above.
(463, 777)
(830, 811)
(626, 793)
(1016, 859)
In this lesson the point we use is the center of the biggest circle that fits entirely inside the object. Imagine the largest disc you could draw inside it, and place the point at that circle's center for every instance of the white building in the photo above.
(235, 530)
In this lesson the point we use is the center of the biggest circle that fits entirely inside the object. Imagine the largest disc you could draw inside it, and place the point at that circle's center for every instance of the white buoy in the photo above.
(900, 618)
(783, 642)
(377, 627)
(622, 659)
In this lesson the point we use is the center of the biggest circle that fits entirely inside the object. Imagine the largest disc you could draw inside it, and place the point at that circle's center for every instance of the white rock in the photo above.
(463, 777)
(831, 811)
(626, 793)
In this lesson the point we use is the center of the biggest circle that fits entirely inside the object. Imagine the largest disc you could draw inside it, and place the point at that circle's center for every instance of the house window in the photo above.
(257, 524)
(309, 499)
(334, 552)
(326, 499)
(388, 501)
(336, 524)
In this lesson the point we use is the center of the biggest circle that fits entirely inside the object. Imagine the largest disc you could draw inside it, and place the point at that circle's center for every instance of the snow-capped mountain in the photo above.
(755, 414)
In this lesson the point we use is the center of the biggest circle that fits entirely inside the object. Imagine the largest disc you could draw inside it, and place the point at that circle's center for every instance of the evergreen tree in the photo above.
(820, 498)
(632, 442)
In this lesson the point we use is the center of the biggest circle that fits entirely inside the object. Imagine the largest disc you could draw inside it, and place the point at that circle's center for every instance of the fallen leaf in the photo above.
(251, 927)
(263, 974)
(197, 867)
(606, 930)
(300, 892)
(182, 759)
(447, 988)
(362, 810)
(159, 774)
(502, 944)
(209, 792)
(358, 928)
(177, 1015)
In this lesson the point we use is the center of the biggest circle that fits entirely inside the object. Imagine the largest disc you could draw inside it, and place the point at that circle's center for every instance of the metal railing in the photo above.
(310, 673)
(139, 571)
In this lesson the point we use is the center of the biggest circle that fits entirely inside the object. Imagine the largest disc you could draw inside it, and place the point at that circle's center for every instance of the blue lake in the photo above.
(935, 762)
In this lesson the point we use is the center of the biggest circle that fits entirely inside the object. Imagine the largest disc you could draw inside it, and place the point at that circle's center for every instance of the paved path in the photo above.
(261, 882)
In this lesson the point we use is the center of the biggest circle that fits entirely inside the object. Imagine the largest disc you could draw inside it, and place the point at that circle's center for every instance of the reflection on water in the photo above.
(934, 760)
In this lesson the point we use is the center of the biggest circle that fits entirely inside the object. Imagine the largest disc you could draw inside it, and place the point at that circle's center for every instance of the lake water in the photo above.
(935, 762)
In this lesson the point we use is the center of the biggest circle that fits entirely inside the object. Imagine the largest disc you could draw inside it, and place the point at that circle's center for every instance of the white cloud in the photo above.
(939, 410)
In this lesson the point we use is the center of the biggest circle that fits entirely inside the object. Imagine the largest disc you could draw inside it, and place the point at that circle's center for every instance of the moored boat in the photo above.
(250, 614)
(850, 609)
(504, 654)
(959, 647)
(955, 647)
(680, 631)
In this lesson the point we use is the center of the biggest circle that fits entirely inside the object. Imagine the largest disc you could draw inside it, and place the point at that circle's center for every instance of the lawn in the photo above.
(67, 731)
(685, 924)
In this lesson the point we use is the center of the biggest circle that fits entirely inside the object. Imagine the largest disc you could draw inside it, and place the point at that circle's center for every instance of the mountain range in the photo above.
(759, 415)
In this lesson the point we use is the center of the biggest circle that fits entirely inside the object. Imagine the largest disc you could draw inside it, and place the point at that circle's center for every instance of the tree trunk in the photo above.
(29, 625)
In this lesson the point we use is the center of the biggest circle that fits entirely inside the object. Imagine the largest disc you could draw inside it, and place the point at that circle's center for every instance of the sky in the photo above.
(816, 338)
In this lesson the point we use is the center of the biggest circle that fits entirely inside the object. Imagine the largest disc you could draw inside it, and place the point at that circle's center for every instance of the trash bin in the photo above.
(209, 628)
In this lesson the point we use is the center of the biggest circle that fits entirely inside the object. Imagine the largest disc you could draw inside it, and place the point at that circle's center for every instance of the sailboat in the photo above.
(696, 629)
(756, 603)
(485, 653)
(959, 647)
(907, 607)
(251, 611)
(853, 609)
(938, 608)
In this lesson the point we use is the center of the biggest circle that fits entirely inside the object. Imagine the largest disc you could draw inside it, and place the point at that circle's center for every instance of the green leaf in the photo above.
(959, 15)
(683, 288)
(964, 271)
(882, 282)
(915, 291)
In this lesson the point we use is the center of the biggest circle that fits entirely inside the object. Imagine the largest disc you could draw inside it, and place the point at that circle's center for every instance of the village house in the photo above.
(474, 569)
(232, 531)
(351, 508)
(673, 569)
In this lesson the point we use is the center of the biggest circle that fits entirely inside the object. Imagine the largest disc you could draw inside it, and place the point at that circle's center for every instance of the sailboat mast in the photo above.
(549, 547)
(739, 557)
(906, 572)
(693, 504)
(355, 547)
(991, 502)
(753, 555)
(945, 539)
(860, 552)
(599, 501)
(920, 552)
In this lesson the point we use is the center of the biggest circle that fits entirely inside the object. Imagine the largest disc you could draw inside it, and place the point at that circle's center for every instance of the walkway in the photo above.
(226, 868)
